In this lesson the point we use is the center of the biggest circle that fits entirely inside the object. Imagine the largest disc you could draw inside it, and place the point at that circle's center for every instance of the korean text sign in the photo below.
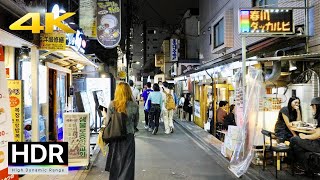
(266, 21)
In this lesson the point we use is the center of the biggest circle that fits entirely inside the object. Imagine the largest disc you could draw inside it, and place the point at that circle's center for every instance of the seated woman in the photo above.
(229, 119)
(287, 114)
(307, 143)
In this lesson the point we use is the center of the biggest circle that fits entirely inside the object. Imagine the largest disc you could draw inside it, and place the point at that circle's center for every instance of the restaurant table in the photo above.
(303, 130)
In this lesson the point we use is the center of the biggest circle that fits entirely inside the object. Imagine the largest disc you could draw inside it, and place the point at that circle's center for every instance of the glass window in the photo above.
(263, 3)
(219, 34)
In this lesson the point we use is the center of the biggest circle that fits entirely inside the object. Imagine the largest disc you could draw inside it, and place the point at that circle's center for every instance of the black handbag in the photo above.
(116, 128)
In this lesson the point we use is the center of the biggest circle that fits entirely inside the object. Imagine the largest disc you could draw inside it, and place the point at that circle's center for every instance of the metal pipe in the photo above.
(306, 3)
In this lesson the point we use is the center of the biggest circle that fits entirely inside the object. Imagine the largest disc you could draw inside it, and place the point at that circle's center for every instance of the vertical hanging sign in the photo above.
(109, 22)
(16, 96)
(6, 131)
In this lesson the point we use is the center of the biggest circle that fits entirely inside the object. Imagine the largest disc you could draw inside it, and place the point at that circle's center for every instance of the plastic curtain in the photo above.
(247, 108)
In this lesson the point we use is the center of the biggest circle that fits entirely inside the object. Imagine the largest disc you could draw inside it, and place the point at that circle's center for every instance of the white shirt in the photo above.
(181, 101)
(135, 92)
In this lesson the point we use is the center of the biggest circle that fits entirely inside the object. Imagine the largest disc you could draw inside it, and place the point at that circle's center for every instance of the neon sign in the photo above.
(266, 21)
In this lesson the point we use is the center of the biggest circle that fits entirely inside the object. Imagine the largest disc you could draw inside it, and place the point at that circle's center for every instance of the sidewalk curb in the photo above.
(251, 174)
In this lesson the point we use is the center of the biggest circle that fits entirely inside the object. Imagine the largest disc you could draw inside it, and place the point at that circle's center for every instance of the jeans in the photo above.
(299, 147)
(146, 117)
(154, 115)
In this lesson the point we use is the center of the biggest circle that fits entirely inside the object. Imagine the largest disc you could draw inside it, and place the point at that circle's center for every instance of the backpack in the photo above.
(170, 104)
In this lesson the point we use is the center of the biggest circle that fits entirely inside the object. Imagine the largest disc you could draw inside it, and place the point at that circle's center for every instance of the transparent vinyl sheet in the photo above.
(247, 109)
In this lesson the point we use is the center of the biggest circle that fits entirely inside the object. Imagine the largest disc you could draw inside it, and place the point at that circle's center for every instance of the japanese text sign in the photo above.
(76, 133)
(16, 96)
(266, 21)
(53, 41)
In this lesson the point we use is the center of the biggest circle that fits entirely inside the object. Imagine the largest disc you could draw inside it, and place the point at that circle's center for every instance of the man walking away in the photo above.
(168, 108)
(145, 95)
(135, 91)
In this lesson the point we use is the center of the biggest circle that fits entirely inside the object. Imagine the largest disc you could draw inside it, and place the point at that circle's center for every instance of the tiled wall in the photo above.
(213, 10)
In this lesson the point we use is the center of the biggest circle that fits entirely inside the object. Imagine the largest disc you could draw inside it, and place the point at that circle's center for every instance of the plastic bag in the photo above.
(102, 144)
(207, 126)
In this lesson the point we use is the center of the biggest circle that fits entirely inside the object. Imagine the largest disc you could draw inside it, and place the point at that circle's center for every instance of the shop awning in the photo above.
(8, 39)
(69, 57)
(300, 57)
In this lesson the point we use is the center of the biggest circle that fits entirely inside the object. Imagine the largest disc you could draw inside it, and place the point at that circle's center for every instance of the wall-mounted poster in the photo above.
(197, 109)
(6, 130)
(109, 22)
(76, 132)
(186, 67)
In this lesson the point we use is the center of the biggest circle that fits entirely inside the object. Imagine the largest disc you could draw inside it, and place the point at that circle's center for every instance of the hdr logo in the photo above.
(38, 158)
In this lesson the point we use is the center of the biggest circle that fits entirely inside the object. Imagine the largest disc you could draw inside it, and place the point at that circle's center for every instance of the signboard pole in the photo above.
(244, 67)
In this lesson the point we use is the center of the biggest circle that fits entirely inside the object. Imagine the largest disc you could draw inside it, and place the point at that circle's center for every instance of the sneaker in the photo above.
(146, 127)
(155, 130)
(150, 129)
(167, 132)
(171, 129)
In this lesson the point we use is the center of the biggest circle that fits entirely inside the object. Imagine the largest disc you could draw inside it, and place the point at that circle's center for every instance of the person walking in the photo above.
(135, 91)
(168, 107)
(155, 98)
(121, 157)
(145, 95)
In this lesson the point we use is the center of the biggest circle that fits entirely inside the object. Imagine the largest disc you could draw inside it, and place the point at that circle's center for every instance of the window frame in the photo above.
(221, 21)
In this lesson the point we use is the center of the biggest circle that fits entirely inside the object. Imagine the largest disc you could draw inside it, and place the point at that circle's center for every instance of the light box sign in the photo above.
(109, 22)
(266, 21)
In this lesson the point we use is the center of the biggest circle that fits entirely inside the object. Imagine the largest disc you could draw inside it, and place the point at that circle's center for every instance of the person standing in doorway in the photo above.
(168, 107)
(145, 95)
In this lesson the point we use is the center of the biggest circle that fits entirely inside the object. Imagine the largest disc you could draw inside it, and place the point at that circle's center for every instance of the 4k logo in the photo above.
(36, 27)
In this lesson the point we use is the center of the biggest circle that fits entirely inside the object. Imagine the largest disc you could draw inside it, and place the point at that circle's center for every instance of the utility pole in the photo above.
(144, 29)
(128, 40)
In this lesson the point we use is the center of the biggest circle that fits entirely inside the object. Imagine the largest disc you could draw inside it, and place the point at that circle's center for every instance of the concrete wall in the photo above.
(191, 31)
(314, 43)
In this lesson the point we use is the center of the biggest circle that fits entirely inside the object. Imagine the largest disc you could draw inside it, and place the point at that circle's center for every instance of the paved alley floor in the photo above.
(166, 157)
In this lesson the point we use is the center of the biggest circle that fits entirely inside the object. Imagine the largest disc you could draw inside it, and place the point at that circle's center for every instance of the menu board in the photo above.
(16, 96)
(270, 104)
(6, 131)
(76, 132)
(197, 109)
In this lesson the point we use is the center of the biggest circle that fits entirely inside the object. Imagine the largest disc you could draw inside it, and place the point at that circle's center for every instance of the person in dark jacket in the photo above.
(230, 119)
(302, 145)
(187, 106)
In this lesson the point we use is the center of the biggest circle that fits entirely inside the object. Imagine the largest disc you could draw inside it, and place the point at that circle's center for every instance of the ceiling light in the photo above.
(72, 23)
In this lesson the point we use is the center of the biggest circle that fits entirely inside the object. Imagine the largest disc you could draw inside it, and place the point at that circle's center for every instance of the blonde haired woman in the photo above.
(121, 156)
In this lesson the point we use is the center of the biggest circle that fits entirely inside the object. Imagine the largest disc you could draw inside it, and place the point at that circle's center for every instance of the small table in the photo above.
(302, 130)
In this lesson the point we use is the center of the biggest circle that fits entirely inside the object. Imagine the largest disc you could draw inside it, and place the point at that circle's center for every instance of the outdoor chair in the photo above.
(270, 148)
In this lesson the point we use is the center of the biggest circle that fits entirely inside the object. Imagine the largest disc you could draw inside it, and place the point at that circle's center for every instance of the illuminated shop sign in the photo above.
(77, 40)
(174, 49)
(266, 21)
